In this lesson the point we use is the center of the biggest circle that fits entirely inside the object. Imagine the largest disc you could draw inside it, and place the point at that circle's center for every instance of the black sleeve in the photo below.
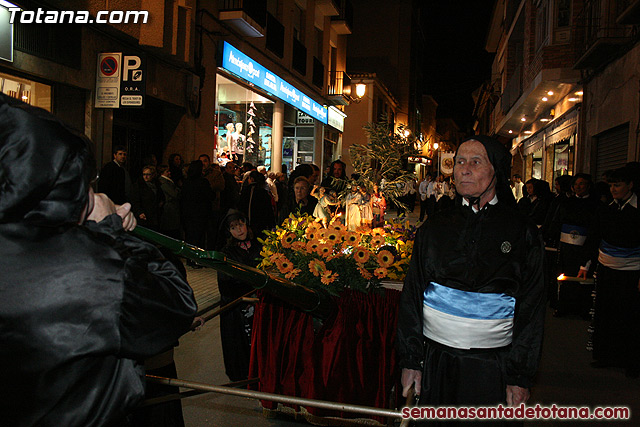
(522, 360)
(410, 340)
(157, 305)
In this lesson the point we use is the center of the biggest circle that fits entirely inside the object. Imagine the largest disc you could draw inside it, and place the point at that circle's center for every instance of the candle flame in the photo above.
(561, 276)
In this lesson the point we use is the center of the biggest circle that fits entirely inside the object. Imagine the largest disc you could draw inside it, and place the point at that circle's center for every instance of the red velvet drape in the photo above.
(351, 359)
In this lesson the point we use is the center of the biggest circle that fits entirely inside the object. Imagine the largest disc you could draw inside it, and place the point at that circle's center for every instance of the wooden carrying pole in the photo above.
(302, 401)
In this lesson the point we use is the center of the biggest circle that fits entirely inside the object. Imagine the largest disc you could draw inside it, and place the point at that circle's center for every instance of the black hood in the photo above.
(500, 159)
(45, 167)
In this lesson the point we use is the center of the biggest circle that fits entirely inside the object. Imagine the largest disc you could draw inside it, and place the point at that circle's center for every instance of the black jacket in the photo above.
(466, 251)
(82, 305)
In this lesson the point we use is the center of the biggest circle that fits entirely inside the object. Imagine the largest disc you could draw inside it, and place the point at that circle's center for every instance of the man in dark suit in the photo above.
(114, 178)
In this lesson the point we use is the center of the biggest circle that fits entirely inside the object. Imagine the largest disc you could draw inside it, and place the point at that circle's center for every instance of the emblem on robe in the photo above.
(505, 247)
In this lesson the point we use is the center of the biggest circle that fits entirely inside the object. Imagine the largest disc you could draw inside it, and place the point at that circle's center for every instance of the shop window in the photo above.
(243, 123)
(31, 92)
(563, 158)
(536, 165)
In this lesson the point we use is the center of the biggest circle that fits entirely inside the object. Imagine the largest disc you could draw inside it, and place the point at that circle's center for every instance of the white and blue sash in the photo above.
(465, 320)
(619, 258)
(573, 234)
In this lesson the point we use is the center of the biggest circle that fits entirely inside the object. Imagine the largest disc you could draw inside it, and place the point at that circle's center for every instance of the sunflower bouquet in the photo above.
(333, 258)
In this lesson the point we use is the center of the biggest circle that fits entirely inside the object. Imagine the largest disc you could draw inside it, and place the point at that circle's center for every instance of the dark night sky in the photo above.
(456, 62)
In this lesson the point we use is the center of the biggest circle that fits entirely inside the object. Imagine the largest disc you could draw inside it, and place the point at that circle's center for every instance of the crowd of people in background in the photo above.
(584, 223)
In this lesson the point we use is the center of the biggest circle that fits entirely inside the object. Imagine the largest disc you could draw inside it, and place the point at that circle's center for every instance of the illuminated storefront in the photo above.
(246, 97)
(29, 91)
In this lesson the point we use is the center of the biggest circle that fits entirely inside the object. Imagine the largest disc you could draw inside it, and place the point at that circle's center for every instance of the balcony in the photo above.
(328, 7)
(275, 36)
(248, 17)
(339, 88)
(299, 59)
(343, 23)
(318, 73)
(601, 38)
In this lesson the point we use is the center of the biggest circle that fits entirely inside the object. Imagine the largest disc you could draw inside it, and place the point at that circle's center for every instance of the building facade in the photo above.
(564, 86)
(262, 68)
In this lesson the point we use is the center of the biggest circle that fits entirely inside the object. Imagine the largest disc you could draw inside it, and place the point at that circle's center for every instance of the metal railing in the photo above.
(339, 84)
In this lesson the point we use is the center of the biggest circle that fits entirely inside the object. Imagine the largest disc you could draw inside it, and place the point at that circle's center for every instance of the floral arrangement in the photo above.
(333, 258)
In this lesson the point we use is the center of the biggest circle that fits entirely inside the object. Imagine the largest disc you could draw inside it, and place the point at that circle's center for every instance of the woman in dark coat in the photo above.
(257, 204)
(195, 206)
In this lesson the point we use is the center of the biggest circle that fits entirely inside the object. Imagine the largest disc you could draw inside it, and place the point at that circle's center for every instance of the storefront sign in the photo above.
(336, 118)
(120, 81)
(241, 65)
(6, 31)
(303, 119)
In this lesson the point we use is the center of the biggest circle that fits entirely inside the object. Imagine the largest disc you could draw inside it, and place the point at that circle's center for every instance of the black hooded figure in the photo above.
(472, 308)
(83, 302)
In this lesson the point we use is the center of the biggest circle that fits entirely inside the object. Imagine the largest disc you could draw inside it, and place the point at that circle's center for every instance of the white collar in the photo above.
(633, 201)
(493, 201)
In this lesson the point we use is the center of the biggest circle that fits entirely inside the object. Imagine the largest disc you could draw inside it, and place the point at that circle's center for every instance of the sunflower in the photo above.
(275, 257)
(337, 227)
(288, 239)
(328, 277)
(385, 258)
(361, 255)
(312, 246)
(293, 273)
(325, 250)
(333, 236)
(352, 239)
(321, 234)
(377, 241)
(317, 267)
(284, 265)
(365, 273)
(380, 272)
(378, 231)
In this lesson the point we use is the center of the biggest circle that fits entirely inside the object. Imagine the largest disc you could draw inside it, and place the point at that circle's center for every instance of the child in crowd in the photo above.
(236, 323)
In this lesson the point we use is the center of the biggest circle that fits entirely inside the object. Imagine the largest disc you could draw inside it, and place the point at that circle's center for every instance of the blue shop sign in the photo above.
(241, 65)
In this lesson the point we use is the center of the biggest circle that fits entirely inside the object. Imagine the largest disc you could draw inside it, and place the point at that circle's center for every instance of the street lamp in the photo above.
(361, 89)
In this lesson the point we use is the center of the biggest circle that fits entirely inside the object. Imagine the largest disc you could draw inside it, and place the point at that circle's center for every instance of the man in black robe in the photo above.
(472, 309)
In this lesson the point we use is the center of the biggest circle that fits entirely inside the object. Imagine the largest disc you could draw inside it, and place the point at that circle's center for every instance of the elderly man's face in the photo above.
(473, 171)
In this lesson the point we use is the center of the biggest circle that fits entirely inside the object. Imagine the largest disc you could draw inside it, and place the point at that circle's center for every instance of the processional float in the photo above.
(313, 302)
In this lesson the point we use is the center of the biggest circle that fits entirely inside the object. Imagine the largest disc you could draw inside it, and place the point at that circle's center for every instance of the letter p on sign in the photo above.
(130, 65)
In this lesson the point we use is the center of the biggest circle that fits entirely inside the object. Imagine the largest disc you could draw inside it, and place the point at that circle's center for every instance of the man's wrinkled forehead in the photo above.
(472, 149)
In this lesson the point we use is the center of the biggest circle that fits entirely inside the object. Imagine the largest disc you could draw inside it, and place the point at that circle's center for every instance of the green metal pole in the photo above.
(316, 303)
